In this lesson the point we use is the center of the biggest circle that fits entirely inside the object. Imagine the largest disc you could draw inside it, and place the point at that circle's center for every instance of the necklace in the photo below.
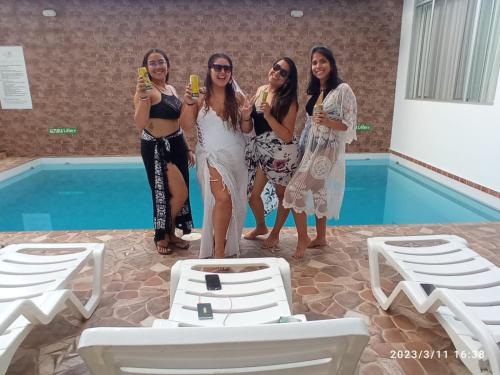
(163, 90)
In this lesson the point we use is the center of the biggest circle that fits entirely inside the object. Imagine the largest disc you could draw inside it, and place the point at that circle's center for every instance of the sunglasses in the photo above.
(154, 64)
(283, 72)
(219, 68)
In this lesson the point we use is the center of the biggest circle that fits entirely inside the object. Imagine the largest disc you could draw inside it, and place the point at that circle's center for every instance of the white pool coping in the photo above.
(68, 160)
(478, 195)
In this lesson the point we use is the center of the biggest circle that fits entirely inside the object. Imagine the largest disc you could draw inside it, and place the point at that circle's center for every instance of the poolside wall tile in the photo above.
(449, 175)
(82, 63)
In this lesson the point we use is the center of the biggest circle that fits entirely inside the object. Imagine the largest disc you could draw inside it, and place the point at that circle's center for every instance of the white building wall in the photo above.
(462, 139)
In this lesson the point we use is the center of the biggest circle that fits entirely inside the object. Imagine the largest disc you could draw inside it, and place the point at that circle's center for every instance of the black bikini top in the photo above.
(169, 108)
(259, 122)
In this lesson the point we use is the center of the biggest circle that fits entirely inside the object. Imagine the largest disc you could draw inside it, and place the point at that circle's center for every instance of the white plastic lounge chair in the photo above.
(324, 347)
(246, 298)
(460, 287)
(33, 288)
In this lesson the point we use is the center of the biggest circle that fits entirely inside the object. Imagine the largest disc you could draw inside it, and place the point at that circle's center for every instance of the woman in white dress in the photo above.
(220, 157)
(318, 185)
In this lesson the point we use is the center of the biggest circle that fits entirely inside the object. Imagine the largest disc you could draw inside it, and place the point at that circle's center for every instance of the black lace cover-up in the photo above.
(156, 153)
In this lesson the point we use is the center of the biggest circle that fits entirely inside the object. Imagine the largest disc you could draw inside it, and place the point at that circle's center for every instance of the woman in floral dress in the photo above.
(272, 155)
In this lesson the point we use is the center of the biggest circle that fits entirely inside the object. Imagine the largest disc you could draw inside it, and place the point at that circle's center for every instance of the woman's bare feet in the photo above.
(271, 242)
(302, 245)
(318, 242)
(256, 232)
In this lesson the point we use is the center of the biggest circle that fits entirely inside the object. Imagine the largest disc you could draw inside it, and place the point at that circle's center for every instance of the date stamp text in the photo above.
(436, 354)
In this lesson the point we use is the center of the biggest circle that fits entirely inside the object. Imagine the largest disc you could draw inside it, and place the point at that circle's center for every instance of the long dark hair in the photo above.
(231, 108)
(161, 52)
(286, 94)
(334, 80)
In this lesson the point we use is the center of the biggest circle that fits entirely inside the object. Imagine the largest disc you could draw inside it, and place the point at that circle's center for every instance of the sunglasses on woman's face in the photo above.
(154, 64)
(283, 72)
(219, 68)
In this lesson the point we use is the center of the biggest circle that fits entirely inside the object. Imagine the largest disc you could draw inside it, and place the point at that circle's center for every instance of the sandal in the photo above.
(178, 243)
(162, 247)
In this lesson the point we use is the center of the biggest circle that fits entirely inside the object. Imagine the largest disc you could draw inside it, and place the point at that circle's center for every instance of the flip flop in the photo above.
(163, 249)
(179, 243)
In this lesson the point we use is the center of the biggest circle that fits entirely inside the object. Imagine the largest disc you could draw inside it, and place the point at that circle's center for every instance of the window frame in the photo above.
(473, 57)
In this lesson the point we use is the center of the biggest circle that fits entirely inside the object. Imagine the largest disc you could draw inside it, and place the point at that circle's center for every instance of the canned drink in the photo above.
(317, 108)
(195, 87)
(263, 97)
(143, 72)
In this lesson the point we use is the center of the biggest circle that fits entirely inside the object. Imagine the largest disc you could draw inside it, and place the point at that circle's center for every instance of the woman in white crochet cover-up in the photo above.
(318, 184)
(220, 157)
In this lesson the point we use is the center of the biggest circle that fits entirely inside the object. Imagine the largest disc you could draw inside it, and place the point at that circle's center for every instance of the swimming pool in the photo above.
(117, 196)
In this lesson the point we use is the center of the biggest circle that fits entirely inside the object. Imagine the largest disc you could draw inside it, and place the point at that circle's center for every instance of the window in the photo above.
(455, 53)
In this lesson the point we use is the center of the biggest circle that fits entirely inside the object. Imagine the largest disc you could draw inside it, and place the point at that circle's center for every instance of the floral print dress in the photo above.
(277, 159)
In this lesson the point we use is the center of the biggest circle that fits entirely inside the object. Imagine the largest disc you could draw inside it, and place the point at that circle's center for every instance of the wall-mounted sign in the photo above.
(364, 127)
(14, 87)
(71, 131)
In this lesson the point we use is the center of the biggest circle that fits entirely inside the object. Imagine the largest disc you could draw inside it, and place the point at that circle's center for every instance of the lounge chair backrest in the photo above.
(319, 347)
(442, 275)
(35, 284)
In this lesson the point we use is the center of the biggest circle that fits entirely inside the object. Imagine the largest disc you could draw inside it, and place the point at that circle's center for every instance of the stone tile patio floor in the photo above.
(327, 283)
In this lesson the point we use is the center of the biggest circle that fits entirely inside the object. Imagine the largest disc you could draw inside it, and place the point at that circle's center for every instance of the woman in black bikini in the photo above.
(165, 152)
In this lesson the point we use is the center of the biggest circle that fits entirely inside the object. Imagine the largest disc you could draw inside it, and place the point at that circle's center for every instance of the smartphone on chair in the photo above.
(213, 282)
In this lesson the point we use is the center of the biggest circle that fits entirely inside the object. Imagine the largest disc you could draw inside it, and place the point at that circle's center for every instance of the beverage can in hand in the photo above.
(318, 107)
(195, 87)
(263, 97)
(143, 72)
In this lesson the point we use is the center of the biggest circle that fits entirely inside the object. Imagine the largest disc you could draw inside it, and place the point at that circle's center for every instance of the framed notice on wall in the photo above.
(14, 87)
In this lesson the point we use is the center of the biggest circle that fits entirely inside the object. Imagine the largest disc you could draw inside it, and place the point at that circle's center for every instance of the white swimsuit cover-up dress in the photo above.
(317, 187)
(223, 149)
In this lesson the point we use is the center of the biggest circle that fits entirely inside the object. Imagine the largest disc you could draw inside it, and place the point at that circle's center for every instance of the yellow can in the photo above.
(317, 108)
(263, 97)
(143, 72)
(195, 86)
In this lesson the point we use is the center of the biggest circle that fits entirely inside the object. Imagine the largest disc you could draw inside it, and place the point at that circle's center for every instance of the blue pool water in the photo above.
(107, 196)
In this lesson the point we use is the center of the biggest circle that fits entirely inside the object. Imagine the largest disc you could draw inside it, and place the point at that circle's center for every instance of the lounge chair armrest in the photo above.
(165, 323)
(475, 325)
